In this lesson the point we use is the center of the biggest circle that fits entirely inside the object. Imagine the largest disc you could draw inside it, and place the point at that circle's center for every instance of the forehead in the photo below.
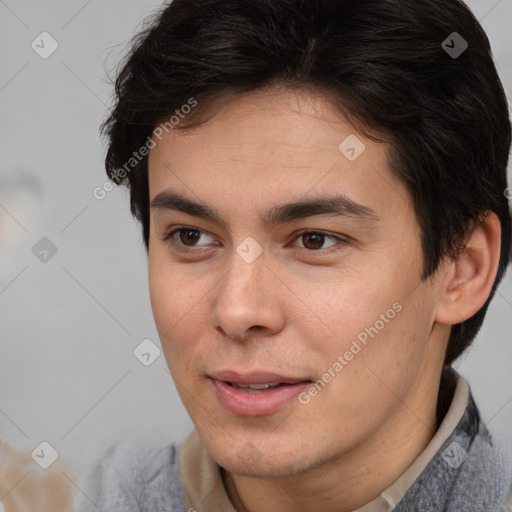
(270, 146)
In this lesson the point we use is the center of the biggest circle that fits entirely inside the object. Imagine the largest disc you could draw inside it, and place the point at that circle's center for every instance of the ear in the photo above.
(469, 278)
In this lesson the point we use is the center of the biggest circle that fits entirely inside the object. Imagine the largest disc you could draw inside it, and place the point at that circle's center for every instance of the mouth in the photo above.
(255, 394)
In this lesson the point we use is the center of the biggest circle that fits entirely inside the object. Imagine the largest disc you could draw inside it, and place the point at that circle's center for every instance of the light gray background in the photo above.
(68, 327)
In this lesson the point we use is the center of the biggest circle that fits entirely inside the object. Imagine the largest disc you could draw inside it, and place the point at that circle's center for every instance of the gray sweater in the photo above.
(468, 474)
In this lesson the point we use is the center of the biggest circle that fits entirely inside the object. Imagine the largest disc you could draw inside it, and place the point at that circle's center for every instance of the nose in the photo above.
(248, 301)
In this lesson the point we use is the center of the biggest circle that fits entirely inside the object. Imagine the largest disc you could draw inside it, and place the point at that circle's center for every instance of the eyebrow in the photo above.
(333, 205)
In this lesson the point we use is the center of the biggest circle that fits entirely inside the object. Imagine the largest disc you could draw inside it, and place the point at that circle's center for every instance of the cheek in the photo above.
(370, 320)
(341, 308)
(172, 289)
(176, 304)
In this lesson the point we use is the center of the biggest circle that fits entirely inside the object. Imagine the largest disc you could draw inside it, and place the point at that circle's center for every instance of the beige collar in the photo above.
(203, 488)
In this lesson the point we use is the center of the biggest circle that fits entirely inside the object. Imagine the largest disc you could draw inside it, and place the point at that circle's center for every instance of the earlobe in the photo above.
(470, 277)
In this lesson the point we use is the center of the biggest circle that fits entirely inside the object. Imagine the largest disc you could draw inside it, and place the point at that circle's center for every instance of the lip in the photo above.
(243, 403)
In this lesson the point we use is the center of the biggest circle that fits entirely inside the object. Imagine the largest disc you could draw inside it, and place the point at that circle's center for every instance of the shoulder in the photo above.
(487, 472)
(135, 475)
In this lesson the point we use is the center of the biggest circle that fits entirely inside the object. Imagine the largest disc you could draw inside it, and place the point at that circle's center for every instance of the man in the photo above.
(322, 191)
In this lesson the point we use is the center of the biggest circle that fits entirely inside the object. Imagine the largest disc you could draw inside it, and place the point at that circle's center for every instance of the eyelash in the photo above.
(169, 237)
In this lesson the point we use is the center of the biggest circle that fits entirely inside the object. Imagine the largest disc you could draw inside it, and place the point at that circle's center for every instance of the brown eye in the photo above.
(186, 239)
(189, 236)
(313, 241)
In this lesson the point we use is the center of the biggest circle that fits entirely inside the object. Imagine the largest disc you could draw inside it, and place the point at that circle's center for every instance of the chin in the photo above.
(260, 462)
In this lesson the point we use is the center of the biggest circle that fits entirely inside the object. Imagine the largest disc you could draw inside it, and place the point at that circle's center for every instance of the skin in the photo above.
(295, 309)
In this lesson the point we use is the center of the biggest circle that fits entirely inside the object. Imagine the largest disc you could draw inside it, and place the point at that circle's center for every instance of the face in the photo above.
(322, 298)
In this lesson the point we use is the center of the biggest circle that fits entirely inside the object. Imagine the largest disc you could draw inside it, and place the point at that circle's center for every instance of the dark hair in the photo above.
(444, 115)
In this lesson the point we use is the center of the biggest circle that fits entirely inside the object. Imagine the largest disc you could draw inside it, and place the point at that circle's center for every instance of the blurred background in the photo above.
(74, 301)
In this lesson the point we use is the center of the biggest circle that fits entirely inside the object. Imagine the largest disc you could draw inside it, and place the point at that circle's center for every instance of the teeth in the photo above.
(262, 386)
(255, 387)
